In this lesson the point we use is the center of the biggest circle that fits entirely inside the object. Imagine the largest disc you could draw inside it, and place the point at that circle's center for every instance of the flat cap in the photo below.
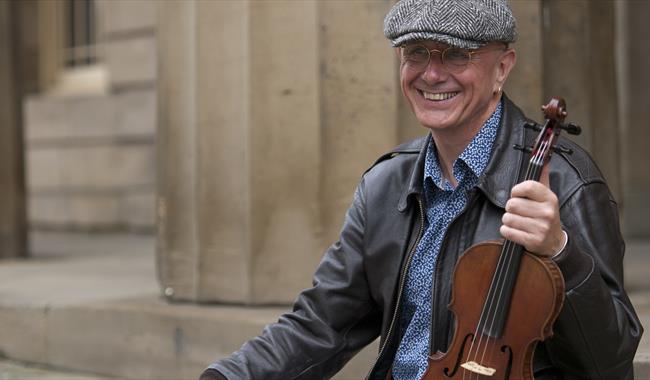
(467, 24)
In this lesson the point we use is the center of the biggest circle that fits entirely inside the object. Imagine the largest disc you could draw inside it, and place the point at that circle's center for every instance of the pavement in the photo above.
(12, 370)
(72, 269)
(88, 307)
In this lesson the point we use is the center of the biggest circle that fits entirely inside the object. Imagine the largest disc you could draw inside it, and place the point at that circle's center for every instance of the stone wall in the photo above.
(91, 155)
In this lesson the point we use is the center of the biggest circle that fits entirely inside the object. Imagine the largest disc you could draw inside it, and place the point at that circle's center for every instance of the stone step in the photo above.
(138, 338)
(91, 303)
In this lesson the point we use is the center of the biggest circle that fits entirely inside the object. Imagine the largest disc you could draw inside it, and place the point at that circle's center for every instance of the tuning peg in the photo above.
(526, 149)
(532, 125)
(562, 149)
(571, 128)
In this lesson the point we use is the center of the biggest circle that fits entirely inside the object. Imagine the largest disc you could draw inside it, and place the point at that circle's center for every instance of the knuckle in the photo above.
(544, 230)
(545, 213)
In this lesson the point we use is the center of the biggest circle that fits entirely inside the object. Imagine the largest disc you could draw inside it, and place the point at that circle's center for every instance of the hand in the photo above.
(532, 218)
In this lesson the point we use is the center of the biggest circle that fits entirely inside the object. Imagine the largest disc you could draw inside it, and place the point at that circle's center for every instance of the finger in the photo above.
(532, 209)
(519, 222)
(531, 242)
(532, 190)
(531, 226)
(517, 236)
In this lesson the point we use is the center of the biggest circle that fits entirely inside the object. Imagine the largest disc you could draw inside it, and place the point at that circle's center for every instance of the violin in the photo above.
(504, 298)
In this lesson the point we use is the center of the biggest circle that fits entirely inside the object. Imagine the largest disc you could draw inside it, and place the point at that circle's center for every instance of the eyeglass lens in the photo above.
(452, 58)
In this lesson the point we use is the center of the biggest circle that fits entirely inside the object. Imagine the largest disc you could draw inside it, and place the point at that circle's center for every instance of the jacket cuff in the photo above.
(212, 374)
(575, 265)
(566, 240)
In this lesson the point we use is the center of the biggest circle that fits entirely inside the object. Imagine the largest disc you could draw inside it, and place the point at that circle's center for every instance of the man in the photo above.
(422, 205)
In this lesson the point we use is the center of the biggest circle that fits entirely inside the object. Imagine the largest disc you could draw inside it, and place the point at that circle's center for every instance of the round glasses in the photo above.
(453, 59)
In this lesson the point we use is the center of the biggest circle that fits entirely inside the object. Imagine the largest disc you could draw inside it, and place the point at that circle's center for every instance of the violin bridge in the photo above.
(477, 368)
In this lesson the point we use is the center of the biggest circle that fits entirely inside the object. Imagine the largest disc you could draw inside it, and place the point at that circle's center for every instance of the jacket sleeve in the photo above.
(597, 331)
(330, 322)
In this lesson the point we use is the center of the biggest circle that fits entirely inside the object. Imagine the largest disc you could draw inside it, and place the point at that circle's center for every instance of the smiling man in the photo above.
(420, 206)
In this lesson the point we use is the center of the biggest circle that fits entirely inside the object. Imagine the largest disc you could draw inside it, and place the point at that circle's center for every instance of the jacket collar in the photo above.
(498, 177)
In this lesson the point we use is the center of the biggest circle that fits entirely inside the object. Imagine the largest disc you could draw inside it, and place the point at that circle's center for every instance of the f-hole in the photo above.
(506, 375)
(459, 359)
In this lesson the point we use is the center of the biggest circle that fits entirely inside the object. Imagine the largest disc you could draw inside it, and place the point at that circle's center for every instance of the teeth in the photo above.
(439, 96)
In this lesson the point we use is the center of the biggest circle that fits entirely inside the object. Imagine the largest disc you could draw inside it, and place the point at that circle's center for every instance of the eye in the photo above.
(456, 56)
(416, 53)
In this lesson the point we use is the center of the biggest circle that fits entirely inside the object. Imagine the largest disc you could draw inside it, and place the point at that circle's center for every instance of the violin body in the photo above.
(535, 303)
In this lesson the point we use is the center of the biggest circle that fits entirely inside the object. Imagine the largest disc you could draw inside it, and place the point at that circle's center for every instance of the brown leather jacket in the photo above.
(356, 287)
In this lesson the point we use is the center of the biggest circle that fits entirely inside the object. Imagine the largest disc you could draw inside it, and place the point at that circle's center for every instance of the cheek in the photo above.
(406, 79)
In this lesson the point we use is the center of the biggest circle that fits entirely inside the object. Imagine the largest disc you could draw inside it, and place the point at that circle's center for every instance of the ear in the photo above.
(504, 65)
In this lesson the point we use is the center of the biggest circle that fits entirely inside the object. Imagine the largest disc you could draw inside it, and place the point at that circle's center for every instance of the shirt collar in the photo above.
(475, 157)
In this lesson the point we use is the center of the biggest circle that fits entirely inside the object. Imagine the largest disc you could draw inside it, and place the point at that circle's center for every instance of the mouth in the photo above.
(438, 96)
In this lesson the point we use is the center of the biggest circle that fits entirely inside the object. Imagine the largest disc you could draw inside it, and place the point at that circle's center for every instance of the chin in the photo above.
(434, 123)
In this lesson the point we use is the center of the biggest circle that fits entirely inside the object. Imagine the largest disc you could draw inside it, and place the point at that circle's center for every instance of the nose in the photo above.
(434, 71)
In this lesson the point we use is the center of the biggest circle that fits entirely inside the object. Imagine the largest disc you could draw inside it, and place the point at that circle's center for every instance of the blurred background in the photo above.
(171, 171)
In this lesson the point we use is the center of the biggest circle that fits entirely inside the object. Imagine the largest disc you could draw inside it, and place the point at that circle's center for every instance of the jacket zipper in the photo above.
(435, 271)
(400, 290)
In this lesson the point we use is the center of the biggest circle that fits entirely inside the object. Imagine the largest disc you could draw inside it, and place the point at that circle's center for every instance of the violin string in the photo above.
(487, 310)
(509, 255)
(482, 318)
(532, 173)
(508, 252)
(536, 164)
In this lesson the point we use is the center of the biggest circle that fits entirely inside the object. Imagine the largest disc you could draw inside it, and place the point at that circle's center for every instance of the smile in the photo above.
(438, 96)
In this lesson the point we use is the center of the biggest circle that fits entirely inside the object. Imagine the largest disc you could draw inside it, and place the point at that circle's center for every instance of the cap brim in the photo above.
(444, 38)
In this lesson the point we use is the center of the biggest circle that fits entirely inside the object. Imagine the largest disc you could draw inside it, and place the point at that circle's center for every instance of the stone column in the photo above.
(50, 19)
(525, 83)
(268, 117)
(360, 100)
(634, 60)
(13, 239)
(579, 66)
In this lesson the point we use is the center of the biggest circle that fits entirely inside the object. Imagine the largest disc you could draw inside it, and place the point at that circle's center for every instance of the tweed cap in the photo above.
(467, 24)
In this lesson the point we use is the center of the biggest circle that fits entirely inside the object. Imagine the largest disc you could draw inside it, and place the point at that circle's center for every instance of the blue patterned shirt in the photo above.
(442, 204)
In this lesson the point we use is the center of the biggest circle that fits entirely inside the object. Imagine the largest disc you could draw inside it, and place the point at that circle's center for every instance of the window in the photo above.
(80, 48)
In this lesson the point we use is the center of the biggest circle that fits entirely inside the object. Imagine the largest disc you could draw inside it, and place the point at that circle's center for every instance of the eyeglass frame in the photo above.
(441, 53)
